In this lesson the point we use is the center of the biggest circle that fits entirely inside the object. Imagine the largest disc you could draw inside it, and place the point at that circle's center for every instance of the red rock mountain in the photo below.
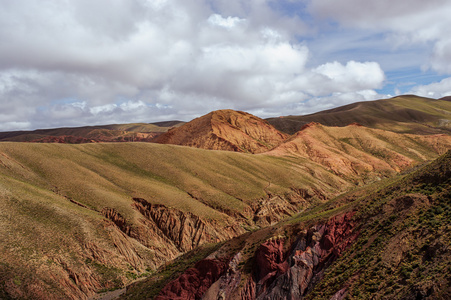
(226, 130)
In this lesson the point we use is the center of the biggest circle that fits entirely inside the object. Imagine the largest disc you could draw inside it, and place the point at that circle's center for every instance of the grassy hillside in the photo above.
(405, 114)
(403, 249)
(71, 227)
(99, 174)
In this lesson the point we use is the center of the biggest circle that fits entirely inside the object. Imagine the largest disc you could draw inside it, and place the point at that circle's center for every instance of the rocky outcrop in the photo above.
(273, 209)
(310, 255)
(194, 282)
(117, 218)
(228, 282)
(184, 229)
(284, 270)
(166, 232)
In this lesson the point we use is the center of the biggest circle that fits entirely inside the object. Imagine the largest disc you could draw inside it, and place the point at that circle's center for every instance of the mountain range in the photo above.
(402, 114)
(352, 202)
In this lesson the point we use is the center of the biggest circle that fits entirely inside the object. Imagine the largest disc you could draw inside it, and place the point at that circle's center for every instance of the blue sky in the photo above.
(80, 62)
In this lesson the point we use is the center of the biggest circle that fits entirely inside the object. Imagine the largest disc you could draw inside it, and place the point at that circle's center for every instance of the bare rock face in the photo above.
(310, 256)
(226, 130)
(271, 261)
(274, 208)
(185, 230)
(117, 218)
(283, 270)
(194, 282)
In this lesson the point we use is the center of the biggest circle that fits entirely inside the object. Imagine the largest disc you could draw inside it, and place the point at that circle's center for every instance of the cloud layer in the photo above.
(78, 62)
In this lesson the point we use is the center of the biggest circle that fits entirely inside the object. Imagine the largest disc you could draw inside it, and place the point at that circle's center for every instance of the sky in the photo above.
(66, 63)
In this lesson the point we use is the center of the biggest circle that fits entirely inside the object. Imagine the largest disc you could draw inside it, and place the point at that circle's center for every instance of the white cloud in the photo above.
(353, 76)
(404, 23)
(434, 90)
(10, 126)
(229, 22)
(74, 62)
(441, 57)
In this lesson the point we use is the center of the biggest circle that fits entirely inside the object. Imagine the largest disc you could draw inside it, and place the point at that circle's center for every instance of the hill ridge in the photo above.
(403, 114)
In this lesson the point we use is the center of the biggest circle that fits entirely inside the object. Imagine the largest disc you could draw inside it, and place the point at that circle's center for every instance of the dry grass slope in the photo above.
(53, 199)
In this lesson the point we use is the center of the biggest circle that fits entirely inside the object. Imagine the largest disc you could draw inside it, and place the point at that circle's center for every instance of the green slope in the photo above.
(405, 114)
(403, 250)
(99, 174)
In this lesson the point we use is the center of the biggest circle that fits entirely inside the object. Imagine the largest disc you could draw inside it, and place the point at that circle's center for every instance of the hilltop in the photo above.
(225, 130)
(403, 114)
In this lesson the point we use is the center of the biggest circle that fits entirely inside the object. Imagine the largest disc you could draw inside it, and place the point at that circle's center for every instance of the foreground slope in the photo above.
(404, 114)
(386, 241)
(78, 219)
(226, 130)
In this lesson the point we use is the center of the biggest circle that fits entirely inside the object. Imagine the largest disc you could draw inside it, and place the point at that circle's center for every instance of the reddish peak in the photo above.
(226, 129)
(231, 112)
(227, 111)
(356, 124)
(310, 125)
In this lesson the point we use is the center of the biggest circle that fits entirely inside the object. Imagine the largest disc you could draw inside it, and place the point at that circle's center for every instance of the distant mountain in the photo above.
(225, 130)
(144, 132)
(404, 114)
